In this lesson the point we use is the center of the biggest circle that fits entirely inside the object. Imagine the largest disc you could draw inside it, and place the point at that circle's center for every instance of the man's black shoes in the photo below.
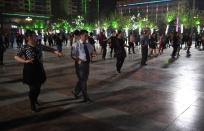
(75, 95)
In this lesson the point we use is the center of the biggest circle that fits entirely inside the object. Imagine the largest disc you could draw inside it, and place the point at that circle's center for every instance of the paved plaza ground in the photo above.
(165, 95)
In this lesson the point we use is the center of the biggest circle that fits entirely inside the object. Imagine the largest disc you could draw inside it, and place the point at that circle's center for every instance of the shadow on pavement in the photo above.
(32, 119)
(169, 62)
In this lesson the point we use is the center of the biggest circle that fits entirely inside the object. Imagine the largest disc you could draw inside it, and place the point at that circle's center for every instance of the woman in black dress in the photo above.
(33, 72)
(153, 44)
(120, 51)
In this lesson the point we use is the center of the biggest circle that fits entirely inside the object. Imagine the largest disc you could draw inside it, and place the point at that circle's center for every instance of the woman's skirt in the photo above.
(34, 73)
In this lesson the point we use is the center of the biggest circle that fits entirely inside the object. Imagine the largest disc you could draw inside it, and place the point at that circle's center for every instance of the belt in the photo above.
(82, 62)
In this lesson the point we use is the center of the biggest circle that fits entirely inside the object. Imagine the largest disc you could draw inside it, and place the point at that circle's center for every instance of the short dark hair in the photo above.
(29, 33)
(119, 32)
(83, 32)
(113, 31)
(76, 32)
(91, 33)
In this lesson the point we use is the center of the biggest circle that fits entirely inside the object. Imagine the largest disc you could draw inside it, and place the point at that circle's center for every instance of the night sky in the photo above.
(200, 4)
(106, 7)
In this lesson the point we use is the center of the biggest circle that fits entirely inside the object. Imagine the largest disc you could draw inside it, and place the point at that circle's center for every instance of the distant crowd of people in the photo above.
(83, 50)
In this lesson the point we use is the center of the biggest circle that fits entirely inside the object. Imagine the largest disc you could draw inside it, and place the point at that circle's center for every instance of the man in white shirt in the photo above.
(81, 53)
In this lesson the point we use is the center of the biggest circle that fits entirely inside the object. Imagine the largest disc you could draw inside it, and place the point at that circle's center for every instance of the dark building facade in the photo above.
(16, 11)
(149, 8)
(156, 6)
(92, 10)
(24, 6)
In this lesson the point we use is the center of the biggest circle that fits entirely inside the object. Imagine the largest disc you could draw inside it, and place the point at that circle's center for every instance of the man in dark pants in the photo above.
(144, 45)
(1, 54)
(131, 43)
(112, 42)
(103, 43)
(175, 44)
(81, 53)
(189, 43)
(2, 48)
(91, 40)
(59, 41)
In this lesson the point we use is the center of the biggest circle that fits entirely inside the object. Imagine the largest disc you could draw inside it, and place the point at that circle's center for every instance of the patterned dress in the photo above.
(34, 73)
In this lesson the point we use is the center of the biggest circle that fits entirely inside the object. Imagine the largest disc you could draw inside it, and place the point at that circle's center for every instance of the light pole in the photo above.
(193, 14)
(98, 10)
(177, 18)
(157, 14)
(84, 7)
(29, 5)
(147, 11)
(193, 6)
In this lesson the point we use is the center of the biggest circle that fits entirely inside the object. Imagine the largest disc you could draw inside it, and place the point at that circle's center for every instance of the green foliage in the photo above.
(187, 17)
(170, 16)
(34, 25)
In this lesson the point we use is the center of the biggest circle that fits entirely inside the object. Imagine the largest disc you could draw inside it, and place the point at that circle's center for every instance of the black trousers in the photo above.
(12, 42)
(104, 52)
(175, 49)
(82, 71)
(1, 55)
(111, 52)
(144, 50)
(188, 48)
(19, 44)
(131, 45)
(33, 94)
(50, 42)
(197, 43)
(119, 62)
(203, 45)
